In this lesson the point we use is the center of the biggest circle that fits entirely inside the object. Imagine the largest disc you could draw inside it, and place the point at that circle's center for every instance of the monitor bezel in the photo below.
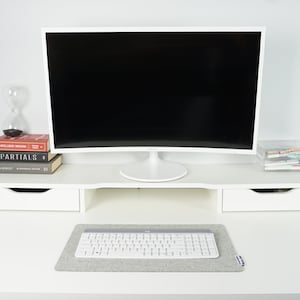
(55, 149)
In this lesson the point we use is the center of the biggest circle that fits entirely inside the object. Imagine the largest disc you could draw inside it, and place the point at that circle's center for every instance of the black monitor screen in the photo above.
(157, 89)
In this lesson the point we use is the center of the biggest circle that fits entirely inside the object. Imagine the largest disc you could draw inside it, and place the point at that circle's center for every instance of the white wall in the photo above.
(21, 55)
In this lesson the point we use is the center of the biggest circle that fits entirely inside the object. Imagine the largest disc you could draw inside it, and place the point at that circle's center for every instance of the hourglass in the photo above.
(14, 125)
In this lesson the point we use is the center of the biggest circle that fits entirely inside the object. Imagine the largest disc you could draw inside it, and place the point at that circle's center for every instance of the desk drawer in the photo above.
(57, 199)
(261, 199)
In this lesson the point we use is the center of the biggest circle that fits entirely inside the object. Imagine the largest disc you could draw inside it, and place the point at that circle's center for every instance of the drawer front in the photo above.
(57, 199)
(260, 200)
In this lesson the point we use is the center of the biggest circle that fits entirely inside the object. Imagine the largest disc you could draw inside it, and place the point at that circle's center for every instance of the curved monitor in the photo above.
(161, 89)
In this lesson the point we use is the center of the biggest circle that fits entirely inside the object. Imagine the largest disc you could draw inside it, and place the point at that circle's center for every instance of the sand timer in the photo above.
(14, 124)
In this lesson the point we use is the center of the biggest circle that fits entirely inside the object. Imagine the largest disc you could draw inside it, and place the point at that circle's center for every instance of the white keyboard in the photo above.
(154, 244)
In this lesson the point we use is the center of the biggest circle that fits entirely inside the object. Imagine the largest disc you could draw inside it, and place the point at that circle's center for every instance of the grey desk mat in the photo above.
(226, 262)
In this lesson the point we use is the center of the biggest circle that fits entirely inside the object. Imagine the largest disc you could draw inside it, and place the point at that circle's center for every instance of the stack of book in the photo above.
(279, 155)
(28, 154)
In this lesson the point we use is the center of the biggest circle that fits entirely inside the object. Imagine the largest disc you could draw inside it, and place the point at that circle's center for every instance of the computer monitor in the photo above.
(153, 89)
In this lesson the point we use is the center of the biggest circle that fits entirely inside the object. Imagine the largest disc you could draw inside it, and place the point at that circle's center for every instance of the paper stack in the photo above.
(279, 155)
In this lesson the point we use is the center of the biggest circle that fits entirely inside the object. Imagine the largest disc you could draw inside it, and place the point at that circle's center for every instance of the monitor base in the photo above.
(153, 169)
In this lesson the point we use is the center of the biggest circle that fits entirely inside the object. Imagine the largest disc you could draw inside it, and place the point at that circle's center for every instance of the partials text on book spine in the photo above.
(25, 156)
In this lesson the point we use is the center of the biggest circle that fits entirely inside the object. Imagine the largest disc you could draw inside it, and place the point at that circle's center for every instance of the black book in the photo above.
(31, 167)
(26, 156)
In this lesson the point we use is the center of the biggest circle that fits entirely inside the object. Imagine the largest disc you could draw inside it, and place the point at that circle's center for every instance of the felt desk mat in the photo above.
(226, 262)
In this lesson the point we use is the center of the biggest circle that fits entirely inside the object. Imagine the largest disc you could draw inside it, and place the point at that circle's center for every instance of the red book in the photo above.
(26, 142)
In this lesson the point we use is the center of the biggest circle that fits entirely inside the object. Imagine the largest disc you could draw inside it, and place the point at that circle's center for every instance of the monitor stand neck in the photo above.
(153, 169)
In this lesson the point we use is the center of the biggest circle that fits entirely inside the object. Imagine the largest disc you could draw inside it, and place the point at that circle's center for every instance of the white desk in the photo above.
(31, 243)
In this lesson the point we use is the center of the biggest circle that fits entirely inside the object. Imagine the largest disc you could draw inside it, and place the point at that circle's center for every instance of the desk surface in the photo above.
(199, 176)
(31, 243)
